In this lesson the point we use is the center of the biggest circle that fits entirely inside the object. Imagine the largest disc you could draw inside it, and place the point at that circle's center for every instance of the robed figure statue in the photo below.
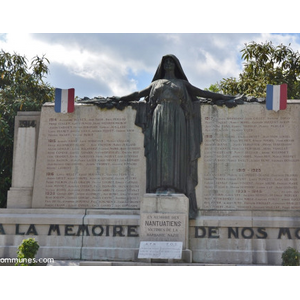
(171, 121)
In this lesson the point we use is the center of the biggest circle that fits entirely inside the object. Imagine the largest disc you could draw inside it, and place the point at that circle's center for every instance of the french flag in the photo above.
(64, 100)
(276, 97)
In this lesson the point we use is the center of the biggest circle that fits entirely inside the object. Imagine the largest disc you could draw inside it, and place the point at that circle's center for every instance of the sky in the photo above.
(114, 49)
(116, 64)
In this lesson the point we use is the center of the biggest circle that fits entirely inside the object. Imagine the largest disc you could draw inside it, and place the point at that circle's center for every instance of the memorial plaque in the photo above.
(250, 159)
(160, 250)
(162, 227)
(92, 158)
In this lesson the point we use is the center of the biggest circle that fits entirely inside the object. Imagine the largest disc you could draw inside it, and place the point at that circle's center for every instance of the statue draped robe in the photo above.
(171, 123)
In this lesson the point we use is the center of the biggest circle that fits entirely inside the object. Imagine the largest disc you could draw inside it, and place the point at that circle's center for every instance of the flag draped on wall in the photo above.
(276, 97)
(64, 100)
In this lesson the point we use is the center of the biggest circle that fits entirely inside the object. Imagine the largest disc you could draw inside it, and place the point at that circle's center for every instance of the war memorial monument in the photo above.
(184, 175)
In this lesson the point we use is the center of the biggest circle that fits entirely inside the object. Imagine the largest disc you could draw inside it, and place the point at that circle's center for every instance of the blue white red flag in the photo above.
(64, 100)
(276, 97)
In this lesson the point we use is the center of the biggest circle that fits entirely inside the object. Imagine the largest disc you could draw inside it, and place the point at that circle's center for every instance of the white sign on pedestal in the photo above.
(160, 250)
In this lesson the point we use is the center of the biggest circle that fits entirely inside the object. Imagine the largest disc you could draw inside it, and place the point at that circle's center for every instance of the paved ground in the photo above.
(118, 263)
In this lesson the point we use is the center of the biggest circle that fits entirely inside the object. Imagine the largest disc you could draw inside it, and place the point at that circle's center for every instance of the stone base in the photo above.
(164, 218)
(19, 197)
(171, 203)
(215, 237)
(243, 237)
(71, 234)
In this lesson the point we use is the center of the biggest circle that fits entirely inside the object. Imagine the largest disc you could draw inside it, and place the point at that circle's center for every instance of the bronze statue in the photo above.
(171, 122)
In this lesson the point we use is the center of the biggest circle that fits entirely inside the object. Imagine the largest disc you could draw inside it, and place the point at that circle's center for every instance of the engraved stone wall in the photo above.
(250, 158)
(93, 158)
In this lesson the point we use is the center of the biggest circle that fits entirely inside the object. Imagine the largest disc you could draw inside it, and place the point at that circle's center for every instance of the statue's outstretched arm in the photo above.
(136, 96)
(207, 94)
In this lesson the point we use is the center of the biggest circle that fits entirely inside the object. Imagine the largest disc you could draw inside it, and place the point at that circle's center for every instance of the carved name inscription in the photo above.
(162, 227)
(92, 159)
(251, 159)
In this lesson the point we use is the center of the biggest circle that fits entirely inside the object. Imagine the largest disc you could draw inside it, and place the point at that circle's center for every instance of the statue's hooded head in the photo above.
(160, 72)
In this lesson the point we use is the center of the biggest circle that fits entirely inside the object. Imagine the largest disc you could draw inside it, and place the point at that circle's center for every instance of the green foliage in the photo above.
(230, 86)
(265, 64)
(22, 88)
(290, 257)
(215, 88)
(26, 252)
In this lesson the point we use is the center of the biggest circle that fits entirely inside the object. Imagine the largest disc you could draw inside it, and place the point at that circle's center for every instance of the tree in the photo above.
(265, 64)
(22, 88)
(215, 88)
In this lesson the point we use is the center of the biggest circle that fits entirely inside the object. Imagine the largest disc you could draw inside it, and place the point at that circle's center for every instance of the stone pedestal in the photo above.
(165, 218)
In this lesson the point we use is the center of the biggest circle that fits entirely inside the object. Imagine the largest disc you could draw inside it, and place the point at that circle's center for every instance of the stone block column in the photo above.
(24, 158)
